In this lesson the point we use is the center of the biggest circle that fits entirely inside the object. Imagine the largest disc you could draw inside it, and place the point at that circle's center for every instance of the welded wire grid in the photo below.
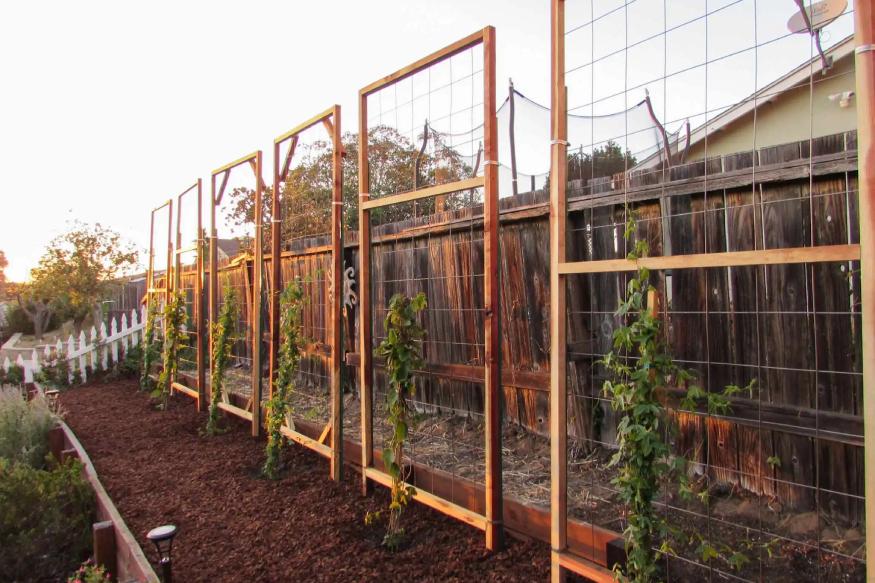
(778, 480)
(235, 225)
(189, 239)
(306, 226)
(187, 359)
(161, 238)
(427, 130)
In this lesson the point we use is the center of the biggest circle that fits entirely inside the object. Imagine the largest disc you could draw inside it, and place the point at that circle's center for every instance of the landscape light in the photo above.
(162, 537)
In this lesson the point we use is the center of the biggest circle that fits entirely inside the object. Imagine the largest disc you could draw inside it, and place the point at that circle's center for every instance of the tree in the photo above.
(306, 192)
(3, 265)
(35, 303)
(75, 273)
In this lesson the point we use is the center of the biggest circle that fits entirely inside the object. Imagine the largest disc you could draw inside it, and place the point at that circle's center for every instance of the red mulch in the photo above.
(235, 526)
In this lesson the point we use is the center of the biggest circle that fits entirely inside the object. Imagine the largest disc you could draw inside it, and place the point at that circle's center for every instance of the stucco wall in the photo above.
(790, 117)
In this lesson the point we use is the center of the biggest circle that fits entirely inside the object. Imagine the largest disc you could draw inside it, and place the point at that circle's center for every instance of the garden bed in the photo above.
(235, 526)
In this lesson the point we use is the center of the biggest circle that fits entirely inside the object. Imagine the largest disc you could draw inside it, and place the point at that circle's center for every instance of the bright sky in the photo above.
(110, 108)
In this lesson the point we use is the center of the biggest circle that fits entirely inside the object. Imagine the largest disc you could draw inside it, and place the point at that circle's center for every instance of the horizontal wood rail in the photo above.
(434, 58)
(585, 568)
(824, 253)
(438, 189)
(234, 410)
(308, 442)
(432, 501)
(184, 390)
(315, 120)
(235, 163)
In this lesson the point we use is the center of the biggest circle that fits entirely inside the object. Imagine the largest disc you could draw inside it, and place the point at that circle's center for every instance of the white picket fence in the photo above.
(99, 349)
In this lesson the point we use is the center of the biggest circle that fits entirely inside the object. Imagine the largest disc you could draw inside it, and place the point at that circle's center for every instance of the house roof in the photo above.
(767, 94)
(230, 247)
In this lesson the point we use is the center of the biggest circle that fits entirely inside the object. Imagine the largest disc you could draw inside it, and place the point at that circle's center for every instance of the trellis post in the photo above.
(864, 33)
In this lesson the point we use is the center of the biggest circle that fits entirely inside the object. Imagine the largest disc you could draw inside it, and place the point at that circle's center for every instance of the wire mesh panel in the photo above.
(728, 144)
(236, 267)
(428, 224)
(306, 243)
(188, 280)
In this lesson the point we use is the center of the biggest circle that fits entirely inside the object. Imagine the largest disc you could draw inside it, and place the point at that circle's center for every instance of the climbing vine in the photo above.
(150, 346)
(291, 347)
(402, 349)
(222, 341)
(641, 367)
(174, 320)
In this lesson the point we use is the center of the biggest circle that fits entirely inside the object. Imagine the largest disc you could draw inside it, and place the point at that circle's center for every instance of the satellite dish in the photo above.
(819, 14)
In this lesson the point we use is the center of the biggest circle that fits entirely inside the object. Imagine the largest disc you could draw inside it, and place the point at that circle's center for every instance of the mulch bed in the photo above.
(235, 526)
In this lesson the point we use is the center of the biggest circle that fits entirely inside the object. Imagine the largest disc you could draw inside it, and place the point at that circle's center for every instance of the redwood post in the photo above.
(336, 307)
(257, 267)
(103, 540)
(491, 291)
(558, 348)
(864, 33)
(198, 301)
(276, 284)
(366, 376)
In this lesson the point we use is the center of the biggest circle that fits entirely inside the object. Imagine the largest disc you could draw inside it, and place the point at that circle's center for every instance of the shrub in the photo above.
(45, 521)
(54, 373)
(13, 376)
(292, 343)
(24, 428)
(89, 573)
(131, 363)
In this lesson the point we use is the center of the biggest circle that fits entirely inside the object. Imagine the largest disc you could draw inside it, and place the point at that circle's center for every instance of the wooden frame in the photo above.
(199, 391)
(330, 119)
(151, 288)
(254, 161)
(562, 559)
(491, 521)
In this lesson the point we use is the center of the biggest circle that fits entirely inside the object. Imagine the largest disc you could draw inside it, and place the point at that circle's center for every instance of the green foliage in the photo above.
(130, 366)
(13, 376)
(24, 427)
(174, 319)
(89, 573)
(289, 357)
(79, 266)
(306, 193)
(223, 339)
(150, 346)
(402, 349)
(17, 321)
(774, 461)
(54, 373)
(45, 520)
(640, 368)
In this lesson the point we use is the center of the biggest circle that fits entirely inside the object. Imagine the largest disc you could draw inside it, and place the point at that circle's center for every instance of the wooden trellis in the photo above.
(330, 119)
(152, 289)
(253, 160)
(563, 560)
(491, 520)
(196, 327)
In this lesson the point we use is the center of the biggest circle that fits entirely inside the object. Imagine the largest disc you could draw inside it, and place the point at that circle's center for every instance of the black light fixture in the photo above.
(162, 537)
